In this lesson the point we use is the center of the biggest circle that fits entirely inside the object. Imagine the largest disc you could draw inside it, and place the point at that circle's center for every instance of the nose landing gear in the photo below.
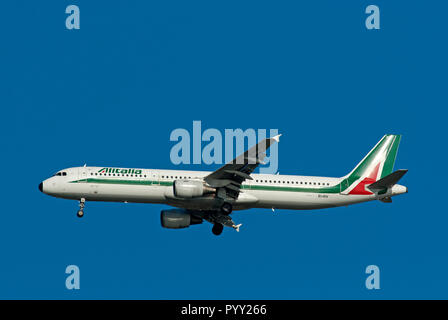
(80, 212)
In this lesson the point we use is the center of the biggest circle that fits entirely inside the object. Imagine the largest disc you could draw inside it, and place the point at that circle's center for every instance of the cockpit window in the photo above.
(64, 173)
(61, 174)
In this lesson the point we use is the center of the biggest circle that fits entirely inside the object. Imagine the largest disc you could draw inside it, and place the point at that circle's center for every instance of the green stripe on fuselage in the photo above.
(117, 181)
(329, 189)
(332, 189)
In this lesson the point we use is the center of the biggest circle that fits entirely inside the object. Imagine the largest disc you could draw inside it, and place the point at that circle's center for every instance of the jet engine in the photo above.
(191, 188)
(177, 219)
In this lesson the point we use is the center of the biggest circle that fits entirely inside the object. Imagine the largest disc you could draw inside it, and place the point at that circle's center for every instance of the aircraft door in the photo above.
(155, 177)
(82, 173)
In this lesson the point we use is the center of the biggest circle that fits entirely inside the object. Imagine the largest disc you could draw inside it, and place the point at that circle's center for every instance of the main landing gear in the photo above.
(80, 212)
(217, 229)
(226, 208)
(221, 219)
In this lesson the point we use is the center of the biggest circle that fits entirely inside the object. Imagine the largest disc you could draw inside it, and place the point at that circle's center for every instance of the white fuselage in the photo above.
(156, 186)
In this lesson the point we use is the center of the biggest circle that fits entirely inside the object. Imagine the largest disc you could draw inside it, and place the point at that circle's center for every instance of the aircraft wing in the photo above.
(230, 176)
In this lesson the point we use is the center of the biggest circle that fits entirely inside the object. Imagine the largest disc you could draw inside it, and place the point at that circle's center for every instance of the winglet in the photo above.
(276, 138)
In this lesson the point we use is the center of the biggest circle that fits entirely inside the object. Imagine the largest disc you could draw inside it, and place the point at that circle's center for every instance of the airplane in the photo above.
(212, 196)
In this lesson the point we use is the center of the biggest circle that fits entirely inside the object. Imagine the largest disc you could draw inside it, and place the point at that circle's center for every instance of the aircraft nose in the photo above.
(41, 187)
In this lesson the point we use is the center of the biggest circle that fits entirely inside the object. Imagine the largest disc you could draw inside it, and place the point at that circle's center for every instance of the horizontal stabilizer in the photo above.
(388, 181)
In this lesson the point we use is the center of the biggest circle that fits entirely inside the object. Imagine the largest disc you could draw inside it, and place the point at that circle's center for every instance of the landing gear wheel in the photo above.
(80, 212)
(226, 208)
(217, 229)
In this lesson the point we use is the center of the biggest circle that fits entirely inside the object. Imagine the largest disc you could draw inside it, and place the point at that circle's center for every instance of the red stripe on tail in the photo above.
(361, 187)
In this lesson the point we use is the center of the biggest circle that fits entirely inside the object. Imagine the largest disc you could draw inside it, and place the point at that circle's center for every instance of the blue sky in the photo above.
(110, 94)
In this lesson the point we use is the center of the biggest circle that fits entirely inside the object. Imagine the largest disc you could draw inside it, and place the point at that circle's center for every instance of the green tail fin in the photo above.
(391, 156)
(379, 162)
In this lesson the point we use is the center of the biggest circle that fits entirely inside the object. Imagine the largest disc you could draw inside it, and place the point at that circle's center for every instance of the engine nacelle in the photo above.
(177, 219)
(190, 188)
